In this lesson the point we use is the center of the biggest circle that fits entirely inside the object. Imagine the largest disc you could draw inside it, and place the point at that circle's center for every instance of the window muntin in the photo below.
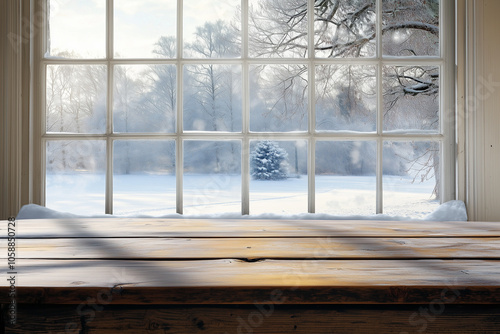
(273, 83)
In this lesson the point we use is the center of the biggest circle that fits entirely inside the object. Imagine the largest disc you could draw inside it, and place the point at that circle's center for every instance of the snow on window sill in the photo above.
(449, 211)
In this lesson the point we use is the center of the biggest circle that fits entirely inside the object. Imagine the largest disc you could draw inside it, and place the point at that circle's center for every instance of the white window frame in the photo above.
(446, 136)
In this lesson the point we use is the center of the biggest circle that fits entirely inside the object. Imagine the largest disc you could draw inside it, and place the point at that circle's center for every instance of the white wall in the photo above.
(483, 110)
(490, 56)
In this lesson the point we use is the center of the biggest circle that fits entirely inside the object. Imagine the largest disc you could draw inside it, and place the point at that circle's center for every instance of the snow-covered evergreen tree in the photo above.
(269, 162)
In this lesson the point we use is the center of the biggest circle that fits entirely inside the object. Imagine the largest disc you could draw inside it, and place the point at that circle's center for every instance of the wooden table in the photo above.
(252, 276)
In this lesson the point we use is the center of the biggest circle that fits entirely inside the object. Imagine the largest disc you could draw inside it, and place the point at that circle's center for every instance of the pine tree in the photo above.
(269, 162)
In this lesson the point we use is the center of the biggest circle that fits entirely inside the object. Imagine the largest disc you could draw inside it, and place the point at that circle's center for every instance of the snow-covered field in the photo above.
(215, 194)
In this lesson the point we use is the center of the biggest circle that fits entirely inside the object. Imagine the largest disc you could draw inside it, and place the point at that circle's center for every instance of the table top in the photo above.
(243, 261)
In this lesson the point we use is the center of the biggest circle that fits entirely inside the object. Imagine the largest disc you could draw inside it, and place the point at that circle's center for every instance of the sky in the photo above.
(80, 25)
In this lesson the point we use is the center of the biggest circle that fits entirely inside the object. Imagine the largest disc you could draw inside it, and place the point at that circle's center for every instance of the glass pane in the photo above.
(278, 97)
(144, 177)
(277, 28)
(212, 29)
(76, 176)
(212, 97)
(346, 98)
(278, 171)
(212, 177)
(410, 27)
(77, 29)
(345, 177)
(76, 98)
(144, 98)
(411, 178)
(345, 28)
(411, 98)
(145, 29)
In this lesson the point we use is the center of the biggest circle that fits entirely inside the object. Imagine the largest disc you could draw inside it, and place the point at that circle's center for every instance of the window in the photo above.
(252, 106)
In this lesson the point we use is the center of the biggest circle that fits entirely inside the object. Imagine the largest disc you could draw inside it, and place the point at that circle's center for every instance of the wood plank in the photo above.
(229, 272)
(199, 228)
(257, 248)
(263, 319)
(129, 294)
(350, 281)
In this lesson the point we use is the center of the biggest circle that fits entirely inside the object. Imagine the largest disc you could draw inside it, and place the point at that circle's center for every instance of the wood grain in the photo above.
(199, 228)
(230, 272)
(193, 275)
(129, 294)
(252, 319)
(353, 281)
(258, 248)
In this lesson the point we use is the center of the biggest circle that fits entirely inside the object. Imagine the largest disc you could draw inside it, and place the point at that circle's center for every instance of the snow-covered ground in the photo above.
(337, 197)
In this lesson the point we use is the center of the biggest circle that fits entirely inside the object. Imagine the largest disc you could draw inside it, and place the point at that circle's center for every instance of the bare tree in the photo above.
(213, 85)
(162, 97)
(75, 99)
(347, 28)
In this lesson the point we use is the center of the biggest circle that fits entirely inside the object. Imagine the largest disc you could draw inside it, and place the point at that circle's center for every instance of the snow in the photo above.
(449, 211)
(418, 88)
(155, 195)
(410, 132)
(218, 196)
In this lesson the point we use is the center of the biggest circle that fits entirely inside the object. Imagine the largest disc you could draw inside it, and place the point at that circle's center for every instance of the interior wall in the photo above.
(483, 110)
(15, 37)
(490, 89)
(8, 108)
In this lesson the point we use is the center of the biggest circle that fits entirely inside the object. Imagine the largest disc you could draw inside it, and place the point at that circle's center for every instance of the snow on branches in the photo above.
(269, 162)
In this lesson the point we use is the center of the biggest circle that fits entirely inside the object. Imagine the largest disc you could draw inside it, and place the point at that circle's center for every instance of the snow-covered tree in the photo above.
(269, 162)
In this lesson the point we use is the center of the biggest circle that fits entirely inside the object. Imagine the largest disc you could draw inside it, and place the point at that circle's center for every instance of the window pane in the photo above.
(212, 97)
(278, 173)
(212, 177)
(75, 176)
(212, 29)
(144, 98)
(76, 98)
(278, 98)
(277, 28)
(410, 27)
(77, 29)
(411, 98)
(346, 98)
(345, 177)
(144, 177)
(411, 178)
(217, 112)
(345, 28)
(145, 29)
